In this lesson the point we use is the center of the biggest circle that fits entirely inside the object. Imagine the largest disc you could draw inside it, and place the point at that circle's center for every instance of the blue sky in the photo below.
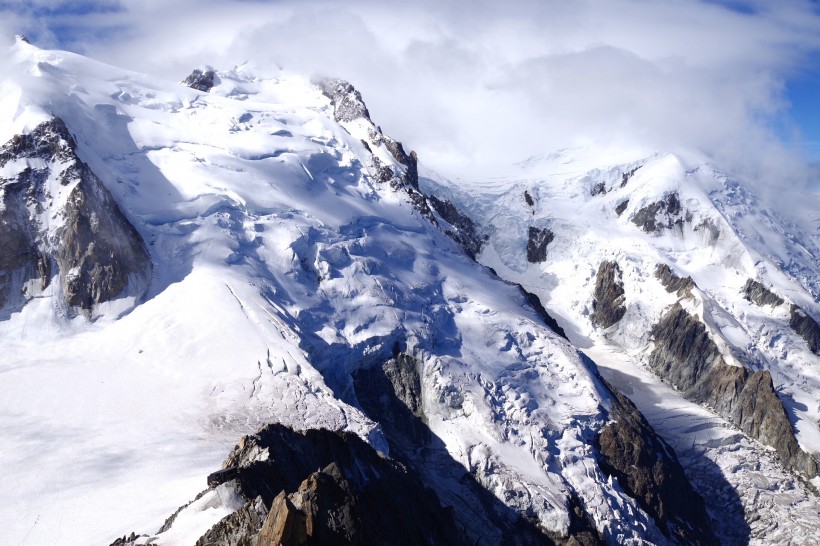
(737, 79)
(803, 93)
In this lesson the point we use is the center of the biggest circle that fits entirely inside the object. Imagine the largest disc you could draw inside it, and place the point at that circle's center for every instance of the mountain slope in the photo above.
(662, 263)
(292, 258)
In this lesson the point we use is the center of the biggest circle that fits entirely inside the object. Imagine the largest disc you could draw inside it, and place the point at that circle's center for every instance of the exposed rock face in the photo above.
(528, 199)
(391, 394)
(647, 469)
(807, 327)
(760, 295)
(348, 105)
(629, 174)
(356, 496)
(465, 232)
(663, 214)
(56, 212)
(621, 207)
(673, 283)
(200, 80)
(685, 356)
(598, 189)
(239, 528)
(537, 242)
(536, 304)
(608, 303)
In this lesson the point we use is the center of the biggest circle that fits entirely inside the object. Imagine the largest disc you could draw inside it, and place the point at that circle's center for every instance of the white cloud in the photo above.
(475, 86)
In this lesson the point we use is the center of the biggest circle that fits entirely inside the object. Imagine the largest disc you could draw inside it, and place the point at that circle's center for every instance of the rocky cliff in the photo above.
(59, 219)
(608, 299)
(685, 356)
(648, 470)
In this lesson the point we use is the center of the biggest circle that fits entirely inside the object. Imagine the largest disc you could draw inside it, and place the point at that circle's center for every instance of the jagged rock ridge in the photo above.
(349, 500)
(646, 467)
(686, 356)
(348, 108)
(464, 231)
(673, 283)
(760, 295)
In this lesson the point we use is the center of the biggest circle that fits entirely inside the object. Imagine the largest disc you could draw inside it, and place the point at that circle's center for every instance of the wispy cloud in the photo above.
(476, 86)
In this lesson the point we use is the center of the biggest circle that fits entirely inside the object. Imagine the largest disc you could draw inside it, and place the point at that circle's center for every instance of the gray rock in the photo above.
(663, 214)
(549, 320)
(758, 294)
(625, 177)
(97, 252)
(598, 189)
(537, 242)
(621, 207)
(239, 528)
(686, 357)
(682, 285)
(464, 231)
(324, 487)
(528, 199)
(200, 80)
(348, 105)
(391, 395)
(807, 327)
(347, 102)
(648, 471)
(608, 299)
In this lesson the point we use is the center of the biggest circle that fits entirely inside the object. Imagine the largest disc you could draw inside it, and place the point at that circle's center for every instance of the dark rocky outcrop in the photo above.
(536, 304)
(608, 299)
(201, 80)
(87, 239)
(681, 285)
(238, 528)
(807, 327)
(347, 102)
(758, 294)
(391, 393)
(324, 487)
(464, 231)
(598, 188)
(628, 175)
(648, 470)
(348, 105)
(128, 540)
(686, 357)
(528, 199)
(663, 214)
(537, 242)
(621, 207)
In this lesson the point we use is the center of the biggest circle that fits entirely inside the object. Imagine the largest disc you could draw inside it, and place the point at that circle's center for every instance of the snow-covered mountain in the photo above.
(245, 259)
(689, 293)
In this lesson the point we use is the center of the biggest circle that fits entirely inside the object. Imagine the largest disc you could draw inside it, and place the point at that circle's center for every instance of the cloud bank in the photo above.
(477, 86)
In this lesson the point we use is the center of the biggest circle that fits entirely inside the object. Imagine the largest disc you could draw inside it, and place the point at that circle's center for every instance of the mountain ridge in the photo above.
(300, 276)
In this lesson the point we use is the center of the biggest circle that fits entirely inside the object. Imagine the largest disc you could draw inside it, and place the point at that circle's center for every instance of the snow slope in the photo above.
(723, 233)
(280, 266)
